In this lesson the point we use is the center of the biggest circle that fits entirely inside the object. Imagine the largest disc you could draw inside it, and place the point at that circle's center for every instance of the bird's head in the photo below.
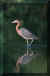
(17, 21)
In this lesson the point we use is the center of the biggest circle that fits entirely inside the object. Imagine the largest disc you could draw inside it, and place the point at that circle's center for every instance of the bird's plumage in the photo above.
(27, 34)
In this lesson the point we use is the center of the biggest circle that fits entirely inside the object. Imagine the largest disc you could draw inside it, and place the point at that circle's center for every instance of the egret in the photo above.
(24, 33)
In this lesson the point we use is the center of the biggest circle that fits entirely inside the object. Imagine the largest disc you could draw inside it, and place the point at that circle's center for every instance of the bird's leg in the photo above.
(31, 44)
(27, 47)
(26, 44)
(31, 41)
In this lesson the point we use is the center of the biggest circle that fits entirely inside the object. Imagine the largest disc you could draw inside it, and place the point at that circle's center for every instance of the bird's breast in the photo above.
(22, 35)
(19, 33)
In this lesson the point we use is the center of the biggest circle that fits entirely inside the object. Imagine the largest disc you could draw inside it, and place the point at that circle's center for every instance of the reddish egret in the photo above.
(24, 33)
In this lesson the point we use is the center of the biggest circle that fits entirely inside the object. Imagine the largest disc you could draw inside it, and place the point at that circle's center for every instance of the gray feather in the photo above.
(27, 33)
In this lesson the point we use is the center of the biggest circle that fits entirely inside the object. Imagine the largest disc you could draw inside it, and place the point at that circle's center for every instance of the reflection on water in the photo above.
(17, 48)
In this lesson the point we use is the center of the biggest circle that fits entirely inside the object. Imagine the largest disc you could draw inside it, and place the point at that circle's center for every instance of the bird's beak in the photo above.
(13, 21)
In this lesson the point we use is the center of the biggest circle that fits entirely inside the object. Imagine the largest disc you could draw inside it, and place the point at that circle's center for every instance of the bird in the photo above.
(24, 33)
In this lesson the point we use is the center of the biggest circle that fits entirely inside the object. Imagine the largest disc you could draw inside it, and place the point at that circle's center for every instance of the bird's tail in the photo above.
(36, 38)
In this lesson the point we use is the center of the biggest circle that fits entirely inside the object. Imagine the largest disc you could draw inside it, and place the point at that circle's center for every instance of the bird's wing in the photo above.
(26, 32)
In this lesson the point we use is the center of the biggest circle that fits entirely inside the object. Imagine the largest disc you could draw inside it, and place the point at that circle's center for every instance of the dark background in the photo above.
(34, 16)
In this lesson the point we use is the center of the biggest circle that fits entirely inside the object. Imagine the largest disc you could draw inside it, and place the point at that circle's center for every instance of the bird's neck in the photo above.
(17, 27)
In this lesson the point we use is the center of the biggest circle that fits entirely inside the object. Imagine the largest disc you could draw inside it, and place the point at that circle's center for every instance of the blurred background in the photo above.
(34, 16)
